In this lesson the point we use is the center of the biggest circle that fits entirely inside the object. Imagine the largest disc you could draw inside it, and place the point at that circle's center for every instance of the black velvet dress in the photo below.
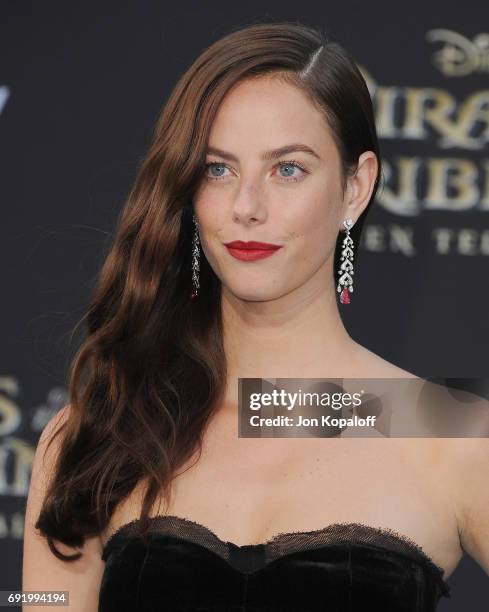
(344, 567)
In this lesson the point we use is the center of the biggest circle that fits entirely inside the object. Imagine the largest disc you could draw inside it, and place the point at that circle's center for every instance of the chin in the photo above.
(253, 296)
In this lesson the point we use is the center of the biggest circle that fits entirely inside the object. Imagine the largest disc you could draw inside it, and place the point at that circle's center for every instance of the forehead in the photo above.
(262, 113)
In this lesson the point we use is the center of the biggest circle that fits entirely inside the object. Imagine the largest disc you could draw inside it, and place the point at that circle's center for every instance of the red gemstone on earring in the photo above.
(194, 295)
(345, 296)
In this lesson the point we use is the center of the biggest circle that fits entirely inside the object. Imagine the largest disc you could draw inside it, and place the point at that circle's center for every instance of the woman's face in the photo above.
(293, 200)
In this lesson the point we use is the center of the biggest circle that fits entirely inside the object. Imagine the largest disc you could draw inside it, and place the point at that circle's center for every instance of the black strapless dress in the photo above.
(344, 567)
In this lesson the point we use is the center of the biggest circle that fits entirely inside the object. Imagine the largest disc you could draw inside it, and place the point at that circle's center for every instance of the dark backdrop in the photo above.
(81, 85)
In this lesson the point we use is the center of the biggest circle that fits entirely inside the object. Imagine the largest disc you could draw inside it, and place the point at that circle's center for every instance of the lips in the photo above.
(251, 251)
(252, 245)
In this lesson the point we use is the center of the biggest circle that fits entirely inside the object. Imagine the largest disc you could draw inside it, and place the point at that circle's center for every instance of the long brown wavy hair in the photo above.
(151, 370)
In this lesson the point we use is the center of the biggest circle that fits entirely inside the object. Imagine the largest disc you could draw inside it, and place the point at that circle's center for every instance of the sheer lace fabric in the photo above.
(344, 566)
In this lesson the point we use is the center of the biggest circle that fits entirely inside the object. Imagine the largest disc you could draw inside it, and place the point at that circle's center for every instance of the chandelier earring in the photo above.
(195, 261)
(345, 281)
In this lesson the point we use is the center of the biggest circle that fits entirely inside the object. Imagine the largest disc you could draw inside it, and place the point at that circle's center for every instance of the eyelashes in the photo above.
(280, 164)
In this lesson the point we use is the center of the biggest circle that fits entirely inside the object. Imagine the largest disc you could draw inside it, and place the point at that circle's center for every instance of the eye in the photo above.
(219, 166)
(291, 164)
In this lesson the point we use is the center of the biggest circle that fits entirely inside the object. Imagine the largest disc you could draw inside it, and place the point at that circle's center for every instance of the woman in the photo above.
(268, 137)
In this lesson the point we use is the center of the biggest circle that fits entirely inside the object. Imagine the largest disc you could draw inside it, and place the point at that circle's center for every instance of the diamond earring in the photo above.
(195, 261)
(346, 268)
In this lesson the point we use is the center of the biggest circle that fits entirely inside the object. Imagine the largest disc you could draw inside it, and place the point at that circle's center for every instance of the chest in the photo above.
(249, 490)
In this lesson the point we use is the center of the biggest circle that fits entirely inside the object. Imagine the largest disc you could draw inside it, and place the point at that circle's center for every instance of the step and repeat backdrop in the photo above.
(81, 85)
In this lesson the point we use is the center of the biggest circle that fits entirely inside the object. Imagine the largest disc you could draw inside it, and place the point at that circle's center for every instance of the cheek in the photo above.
(207, 212)
(316, 227)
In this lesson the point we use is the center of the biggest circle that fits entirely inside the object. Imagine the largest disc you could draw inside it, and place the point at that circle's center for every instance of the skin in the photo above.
(281, 319)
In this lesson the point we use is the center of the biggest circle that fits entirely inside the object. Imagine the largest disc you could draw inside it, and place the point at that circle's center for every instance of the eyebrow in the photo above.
(267, 155)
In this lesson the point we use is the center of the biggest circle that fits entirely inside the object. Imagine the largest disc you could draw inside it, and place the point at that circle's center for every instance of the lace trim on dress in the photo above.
(281, 544)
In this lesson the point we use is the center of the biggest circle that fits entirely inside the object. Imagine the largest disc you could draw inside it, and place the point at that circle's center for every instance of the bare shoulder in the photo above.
(128, 510)
(41, 569)
(469, 461)
(47, 450)
(371, 365)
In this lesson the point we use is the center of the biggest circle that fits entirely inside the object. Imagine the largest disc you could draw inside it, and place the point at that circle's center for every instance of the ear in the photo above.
(360, 186)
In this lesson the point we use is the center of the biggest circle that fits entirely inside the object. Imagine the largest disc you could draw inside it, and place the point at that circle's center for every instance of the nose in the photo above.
(248, 205)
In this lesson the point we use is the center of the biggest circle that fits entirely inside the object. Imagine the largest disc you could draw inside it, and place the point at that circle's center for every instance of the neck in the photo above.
(298, 335)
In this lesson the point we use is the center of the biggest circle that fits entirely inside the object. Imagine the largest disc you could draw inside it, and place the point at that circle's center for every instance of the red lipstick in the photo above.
(249, 251)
